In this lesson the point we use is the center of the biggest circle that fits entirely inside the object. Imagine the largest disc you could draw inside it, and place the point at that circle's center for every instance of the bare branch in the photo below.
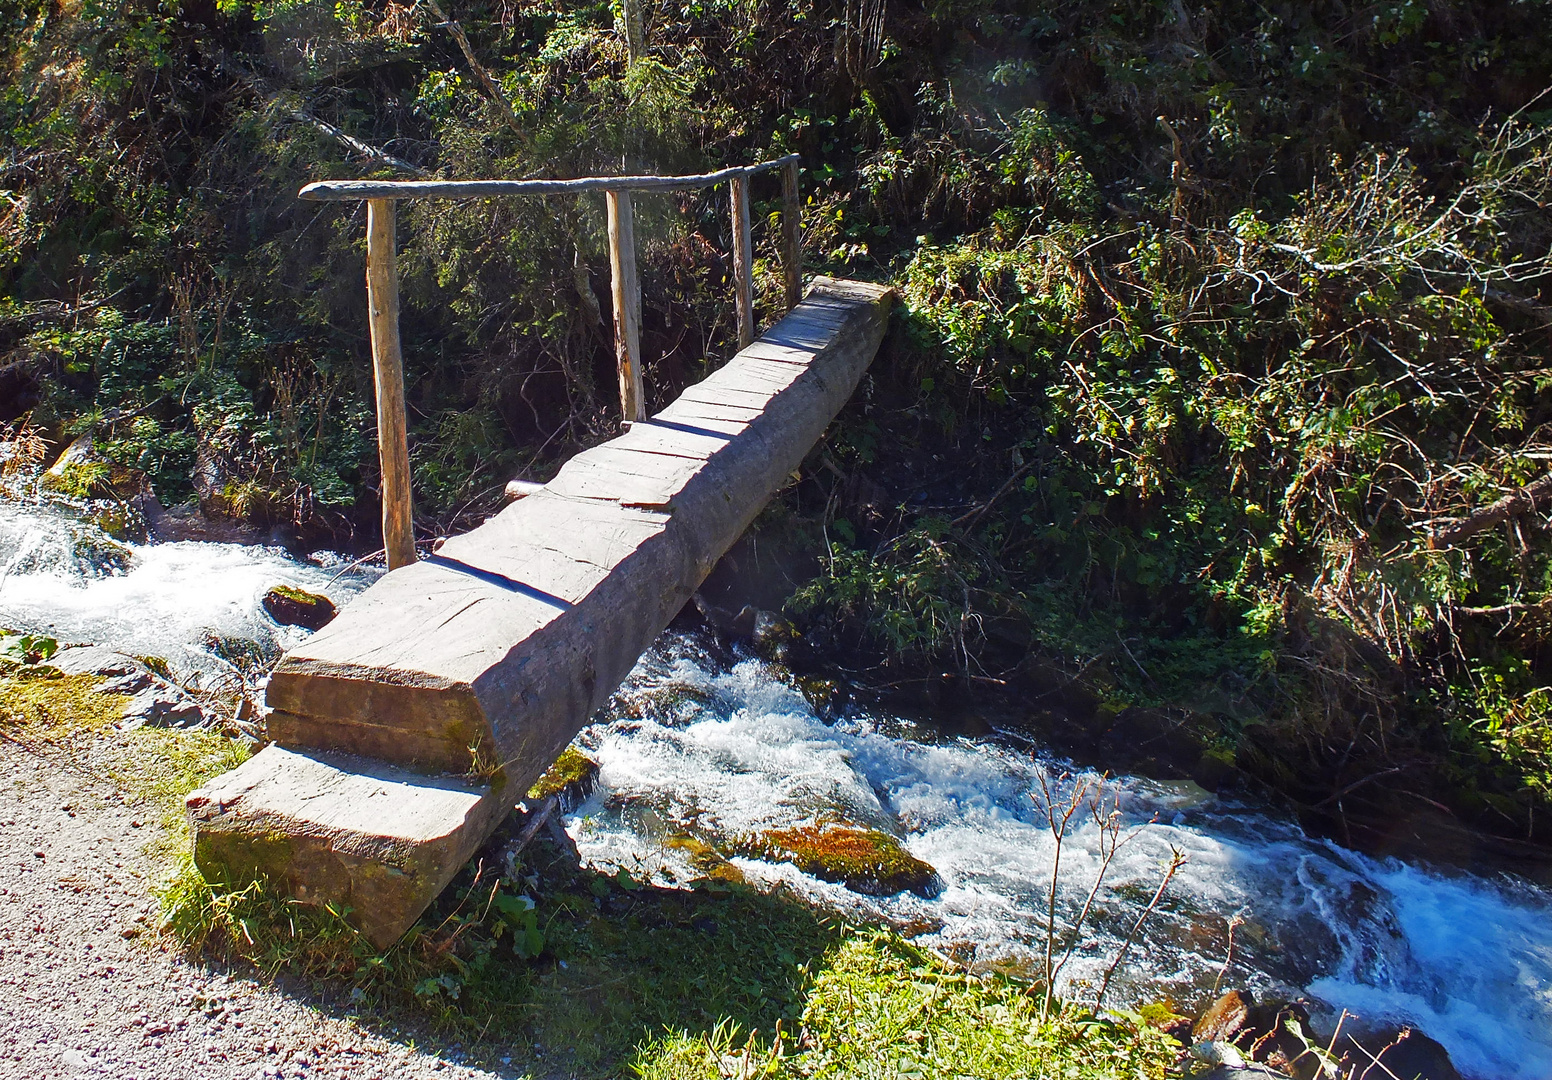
(1529, 498)
(492, 88)
(355, 145)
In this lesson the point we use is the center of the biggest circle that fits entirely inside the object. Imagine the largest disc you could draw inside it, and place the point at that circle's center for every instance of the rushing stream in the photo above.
(728, 746)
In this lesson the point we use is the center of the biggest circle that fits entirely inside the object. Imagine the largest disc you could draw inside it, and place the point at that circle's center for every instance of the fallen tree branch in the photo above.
(356, 145)
(272, 98)
(1502, 609)
(969, 517)
(1355, 785)
(492, 88)
(1528, 498)
(536, 820)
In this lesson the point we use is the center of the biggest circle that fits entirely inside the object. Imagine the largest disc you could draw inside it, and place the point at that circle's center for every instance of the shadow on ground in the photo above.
(618, 964)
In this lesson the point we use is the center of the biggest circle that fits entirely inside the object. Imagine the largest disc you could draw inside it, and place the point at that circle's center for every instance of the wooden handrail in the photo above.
(383, 290)
(346, 190)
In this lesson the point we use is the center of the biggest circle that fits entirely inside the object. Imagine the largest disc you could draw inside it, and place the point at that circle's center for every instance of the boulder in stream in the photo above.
(290, 606)
(1272, 1033)
(1408, 1054)
(867, 861)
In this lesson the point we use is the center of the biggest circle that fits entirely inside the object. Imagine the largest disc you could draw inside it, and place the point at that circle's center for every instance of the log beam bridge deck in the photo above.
(405, 731)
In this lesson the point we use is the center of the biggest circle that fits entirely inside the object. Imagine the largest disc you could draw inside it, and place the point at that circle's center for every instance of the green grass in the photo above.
(880, 1007)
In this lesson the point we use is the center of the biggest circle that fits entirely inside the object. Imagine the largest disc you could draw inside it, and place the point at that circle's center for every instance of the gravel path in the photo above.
(89, 988)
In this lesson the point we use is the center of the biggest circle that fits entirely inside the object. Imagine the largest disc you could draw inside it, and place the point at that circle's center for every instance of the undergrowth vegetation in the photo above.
(1219, 382)
(579, 971)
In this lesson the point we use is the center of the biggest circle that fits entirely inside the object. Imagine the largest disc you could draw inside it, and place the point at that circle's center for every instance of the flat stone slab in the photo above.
(485, 659)
(377, 840)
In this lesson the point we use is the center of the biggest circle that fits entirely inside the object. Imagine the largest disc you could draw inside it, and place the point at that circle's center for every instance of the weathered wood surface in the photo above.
(791, 234)
(627, 304)
(488, 656)
(373, 837)
(743, 260)
(382, 298)
(346, 190)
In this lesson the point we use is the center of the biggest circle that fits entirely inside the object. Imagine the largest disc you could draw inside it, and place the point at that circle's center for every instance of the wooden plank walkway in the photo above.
(407, 728)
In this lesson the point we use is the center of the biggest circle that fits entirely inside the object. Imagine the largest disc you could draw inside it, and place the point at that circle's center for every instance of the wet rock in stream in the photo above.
(569, 781)
(290, 606)
(1407, 1054)
(1274, 1038)
(866, 861)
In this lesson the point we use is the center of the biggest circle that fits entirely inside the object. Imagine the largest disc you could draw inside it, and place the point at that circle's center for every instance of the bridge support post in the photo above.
(382, 299)
(627, 305)
(743, 261)
(791, 234)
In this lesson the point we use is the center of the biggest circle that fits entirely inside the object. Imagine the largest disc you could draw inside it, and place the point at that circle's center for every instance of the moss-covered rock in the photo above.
(570, 779)
(290, 606)
(867, 861)
(821, 693)
(671, 703)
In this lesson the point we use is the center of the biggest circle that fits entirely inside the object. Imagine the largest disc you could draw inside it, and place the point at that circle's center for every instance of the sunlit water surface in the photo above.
(728, 748)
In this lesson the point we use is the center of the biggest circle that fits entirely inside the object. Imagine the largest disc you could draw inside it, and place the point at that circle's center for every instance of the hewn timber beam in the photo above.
(408, 727)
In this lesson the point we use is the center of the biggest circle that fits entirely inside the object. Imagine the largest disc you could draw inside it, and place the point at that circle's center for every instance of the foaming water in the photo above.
(689, 745)
(194, 604)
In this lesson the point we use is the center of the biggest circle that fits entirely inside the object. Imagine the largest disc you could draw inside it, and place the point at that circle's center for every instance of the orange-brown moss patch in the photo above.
(708, 860)
(864, 860)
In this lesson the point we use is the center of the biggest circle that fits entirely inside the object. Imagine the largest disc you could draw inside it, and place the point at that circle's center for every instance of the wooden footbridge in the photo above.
(409, 727)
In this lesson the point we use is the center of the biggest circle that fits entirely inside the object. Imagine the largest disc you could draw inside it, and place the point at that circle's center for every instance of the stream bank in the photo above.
(710, 741)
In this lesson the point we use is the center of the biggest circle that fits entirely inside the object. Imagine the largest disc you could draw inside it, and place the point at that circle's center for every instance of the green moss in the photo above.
(42, 701)
(711, 863)
(879, 1007)
(821, 693)
(571, 778)
(80, 479)
(864, 860)
(1160, 1014)
(300, 596)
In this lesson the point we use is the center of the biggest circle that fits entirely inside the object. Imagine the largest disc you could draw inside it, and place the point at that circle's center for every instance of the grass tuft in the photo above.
(881, 1007)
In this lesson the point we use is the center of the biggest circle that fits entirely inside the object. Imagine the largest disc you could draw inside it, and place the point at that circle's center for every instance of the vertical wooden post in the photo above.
(743, 262)
(382, 299)
(627, 305)
(791, 234)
